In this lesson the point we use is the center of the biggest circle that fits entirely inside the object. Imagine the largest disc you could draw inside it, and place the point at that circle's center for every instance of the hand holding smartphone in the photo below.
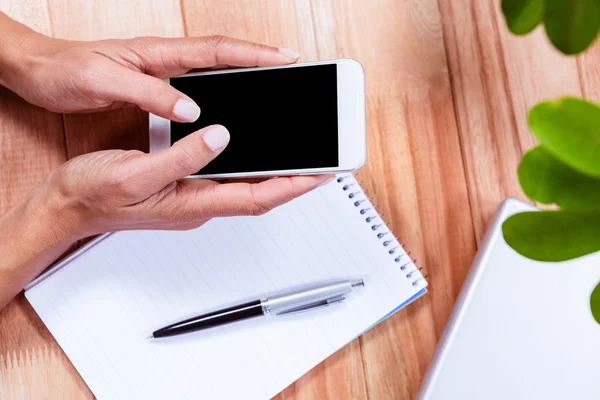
(286, 120)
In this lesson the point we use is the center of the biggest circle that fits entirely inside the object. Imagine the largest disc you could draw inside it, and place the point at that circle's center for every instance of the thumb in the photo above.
(187, 156)
(153, 95)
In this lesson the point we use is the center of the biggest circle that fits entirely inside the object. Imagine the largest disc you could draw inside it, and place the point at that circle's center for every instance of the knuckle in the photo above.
(205, 204)
(261, 49)
(88, 72)
(293, 191)
(257, 210)
(255, 207)
(134, 52)
(149, 92)
(185, 161)
(173, 207)
(90, 79)
(132, 153)
(181, 213)
(123, 179)
(216, 41)
(64, 180)
(140, 44)
(122, 184)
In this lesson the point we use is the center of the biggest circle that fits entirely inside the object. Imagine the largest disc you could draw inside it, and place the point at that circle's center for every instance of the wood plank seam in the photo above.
(501, 51)
(489, 111)
(312, 23)
(183, 17)
(363, 366)
(458, 125)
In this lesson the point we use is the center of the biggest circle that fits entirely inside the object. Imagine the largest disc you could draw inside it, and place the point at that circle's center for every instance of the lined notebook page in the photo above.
(102, 305)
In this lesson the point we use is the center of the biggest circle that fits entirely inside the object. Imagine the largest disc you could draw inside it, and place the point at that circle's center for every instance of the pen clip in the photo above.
(313, 306)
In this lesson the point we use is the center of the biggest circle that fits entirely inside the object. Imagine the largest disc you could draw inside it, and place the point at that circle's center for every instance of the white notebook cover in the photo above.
(520, 329)
(103, 302)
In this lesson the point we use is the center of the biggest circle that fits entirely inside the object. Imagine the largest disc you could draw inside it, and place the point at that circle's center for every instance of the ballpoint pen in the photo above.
(287, 303)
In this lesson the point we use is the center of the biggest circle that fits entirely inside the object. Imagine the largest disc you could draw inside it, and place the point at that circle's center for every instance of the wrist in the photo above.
(57, 219)
(34, 235)
(19, 47)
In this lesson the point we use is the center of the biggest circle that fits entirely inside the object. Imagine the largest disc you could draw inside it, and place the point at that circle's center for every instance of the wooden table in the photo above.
(447, 95)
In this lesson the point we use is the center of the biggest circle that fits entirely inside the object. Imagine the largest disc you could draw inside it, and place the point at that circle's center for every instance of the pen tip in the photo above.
(358, 283)
(150, 337)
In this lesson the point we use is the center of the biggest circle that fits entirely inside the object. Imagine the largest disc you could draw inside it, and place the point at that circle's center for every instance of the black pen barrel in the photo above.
(225, 316)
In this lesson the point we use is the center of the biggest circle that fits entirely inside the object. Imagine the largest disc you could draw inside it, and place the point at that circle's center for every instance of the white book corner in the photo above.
(520, 329)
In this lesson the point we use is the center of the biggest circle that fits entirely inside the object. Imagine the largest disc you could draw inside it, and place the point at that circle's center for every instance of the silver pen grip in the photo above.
(285, 303)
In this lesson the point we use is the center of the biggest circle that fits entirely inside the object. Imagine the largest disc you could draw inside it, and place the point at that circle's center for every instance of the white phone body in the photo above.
(350, 118)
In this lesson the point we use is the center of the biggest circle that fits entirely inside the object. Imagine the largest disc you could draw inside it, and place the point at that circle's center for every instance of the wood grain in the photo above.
(32, 144)
(589, 73)
(448, 89)
(496, 78)
(37, 373)
(415, 173)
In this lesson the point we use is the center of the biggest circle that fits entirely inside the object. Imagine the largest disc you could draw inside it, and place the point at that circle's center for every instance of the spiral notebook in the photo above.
(102, 302)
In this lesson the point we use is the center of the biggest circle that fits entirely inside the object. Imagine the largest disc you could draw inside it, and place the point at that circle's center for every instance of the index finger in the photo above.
(169, 57)
(232, 199)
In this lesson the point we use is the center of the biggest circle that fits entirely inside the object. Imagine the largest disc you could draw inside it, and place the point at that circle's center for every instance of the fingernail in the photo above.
(328, 180)
(186, 110)
(216, 137)
(289, 53)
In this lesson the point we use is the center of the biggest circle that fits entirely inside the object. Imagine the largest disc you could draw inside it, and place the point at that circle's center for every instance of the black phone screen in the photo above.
(280, 119)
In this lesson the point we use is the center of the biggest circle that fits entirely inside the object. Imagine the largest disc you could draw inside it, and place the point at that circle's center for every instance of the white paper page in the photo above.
(102, 306)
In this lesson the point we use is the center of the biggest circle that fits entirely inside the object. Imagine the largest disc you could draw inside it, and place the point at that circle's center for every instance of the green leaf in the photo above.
(522, 16)
(553, 235)
(570, 130)
(546, 179)
(595, 303)
(572, 25)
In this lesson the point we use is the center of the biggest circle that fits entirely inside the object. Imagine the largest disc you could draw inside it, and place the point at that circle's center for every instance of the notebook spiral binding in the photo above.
(409, 266)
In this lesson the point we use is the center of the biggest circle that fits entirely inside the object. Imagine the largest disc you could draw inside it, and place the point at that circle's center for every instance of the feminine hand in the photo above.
(118, 190)
(69, 76)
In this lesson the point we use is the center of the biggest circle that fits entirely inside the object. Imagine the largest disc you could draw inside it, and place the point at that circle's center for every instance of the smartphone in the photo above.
(299, 119)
